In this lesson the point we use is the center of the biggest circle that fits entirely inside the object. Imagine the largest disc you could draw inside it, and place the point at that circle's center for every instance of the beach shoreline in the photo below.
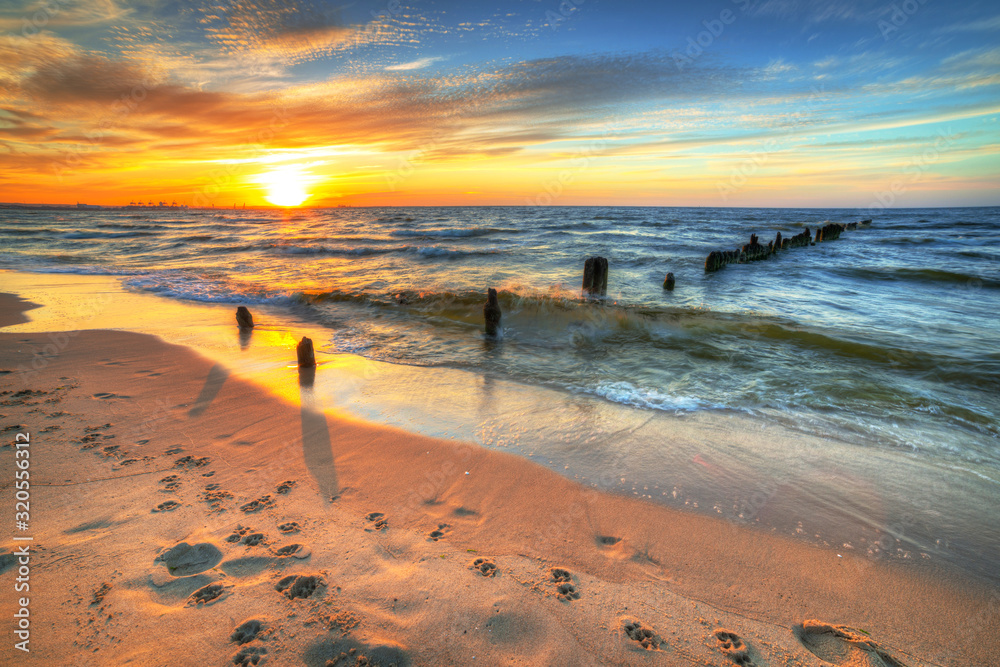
(396, 592)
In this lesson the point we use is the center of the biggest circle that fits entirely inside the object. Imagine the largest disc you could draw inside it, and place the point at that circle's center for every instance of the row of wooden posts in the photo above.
(755, 251)
(595, 277)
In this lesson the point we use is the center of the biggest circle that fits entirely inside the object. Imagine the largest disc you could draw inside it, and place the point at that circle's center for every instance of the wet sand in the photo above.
(182, 515)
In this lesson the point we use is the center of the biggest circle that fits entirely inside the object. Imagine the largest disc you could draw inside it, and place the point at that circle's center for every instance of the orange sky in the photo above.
(112, 102)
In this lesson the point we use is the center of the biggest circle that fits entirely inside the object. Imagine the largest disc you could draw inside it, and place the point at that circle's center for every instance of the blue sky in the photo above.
(753, 102)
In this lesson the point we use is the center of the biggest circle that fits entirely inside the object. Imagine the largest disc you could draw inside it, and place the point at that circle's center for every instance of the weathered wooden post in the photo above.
(492, 313)
(305, 353)
(595, 276)
(244, 320)
(668, 282)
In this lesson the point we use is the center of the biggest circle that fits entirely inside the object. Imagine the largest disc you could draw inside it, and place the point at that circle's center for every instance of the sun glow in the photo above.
(285, 186)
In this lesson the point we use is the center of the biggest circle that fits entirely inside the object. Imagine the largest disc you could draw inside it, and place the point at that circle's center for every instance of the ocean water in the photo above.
(885, 341)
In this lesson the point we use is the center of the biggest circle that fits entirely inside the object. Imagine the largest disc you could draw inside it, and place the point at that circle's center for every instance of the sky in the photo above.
(801, 103)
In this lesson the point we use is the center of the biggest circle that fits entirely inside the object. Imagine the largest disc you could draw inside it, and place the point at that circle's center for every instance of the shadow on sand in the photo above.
(316, 446)
(217, 376)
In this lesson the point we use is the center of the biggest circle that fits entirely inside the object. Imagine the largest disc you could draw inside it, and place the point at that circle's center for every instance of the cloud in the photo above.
(821, 11)
(295, 29)
(990, 24)
(30, 17)
(415, 64)
(493, 113)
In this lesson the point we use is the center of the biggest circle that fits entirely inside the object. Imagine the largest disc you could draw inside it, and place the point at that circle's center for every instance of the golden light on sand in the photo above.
(286, 186)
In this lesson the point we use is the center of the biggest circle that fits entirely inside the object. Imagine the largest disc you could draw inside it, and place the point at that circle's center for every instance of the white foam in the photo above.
(629, 394)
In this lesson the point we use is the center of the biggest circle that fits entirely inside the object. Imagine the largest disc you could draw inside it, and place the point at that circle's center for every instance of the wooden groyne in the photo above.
(755, 251)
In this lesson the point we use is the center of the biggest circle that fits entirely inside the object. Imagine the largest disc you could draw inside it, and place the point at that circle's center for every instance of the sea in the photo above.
(857, 379)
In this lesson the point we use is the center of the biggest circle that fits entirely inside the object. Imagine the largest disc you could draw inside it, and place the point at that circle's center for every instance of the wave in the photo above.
(84, 270)
(423, 251)
(120, 225)
(451, 233)
(905, 240)
(105, 235)
(627, 393)
(332, 250)
(27, 232)
(899, 273)
(205, 290)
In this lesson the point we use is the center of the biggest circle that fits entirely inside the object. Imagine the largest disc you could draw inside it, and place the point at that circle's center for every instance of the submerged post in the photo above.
(492, 313)
(244, 320)
(668, 282)
(304, 350)
(595, 276)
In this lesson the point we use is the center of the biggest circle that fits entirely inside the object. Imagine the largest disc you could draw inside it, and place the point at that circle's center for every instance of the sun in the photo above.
(285, 186)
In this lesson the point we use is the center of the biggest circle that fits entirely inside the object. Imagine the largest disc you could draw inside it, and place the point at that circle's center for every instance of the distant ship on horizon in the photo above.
(161, 204)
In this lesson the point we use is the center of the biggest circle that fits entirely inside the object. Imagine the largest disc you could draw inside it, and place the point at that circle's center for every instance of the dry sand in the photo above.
(181, 516)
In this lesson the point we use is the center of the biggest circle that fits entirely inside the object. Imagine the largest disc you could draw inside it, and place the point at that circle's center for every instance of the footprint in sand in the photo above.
(286, 486)
(733, 648)
(565, 590)
(442, 530)
(254, 539)
(113, 451)
(188, 462)
(247, 631)
(207, 595)
(299, 551)
(641, 635)
(246, 535)
(99, 594)
(186, 559)
(258, 504)
(299, 586)
(168, 506)
(378, 520)
(841, 645)
(215, 496)
(290, 527)
(104, 427)
(249, 655)
(484, 566)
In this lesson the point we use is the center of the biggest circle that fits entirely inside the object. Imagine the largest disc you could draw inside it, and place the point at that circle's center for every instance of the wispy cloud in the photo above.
(988, 24)
(415, 64)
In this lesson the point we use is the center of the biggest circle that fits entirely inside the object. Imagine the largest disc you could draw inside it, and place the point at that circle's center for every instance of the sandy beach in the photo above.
(180, 515)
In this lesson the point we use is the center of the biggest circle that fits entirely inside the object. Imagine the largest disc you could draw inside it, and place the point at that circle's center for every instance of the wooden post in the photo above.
(244, 320)
(492, 313)
(304, 350)
(595, 276)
